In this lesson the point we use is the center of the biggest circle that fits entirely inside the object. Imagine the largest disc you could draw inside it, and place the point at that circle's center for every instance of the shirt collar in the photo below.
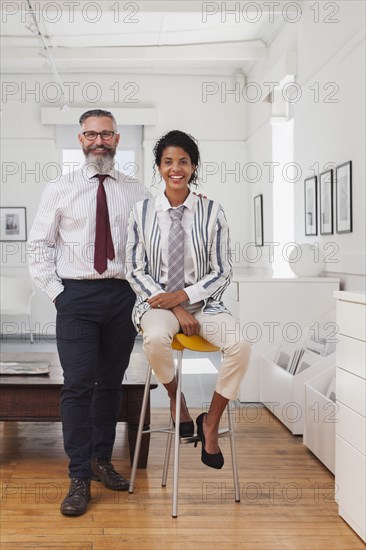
(164, 204)
(91, 172)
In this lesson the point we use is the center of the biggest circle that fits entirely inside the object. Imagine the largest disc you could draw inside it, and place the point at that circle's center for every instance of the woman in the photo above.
(178, 263)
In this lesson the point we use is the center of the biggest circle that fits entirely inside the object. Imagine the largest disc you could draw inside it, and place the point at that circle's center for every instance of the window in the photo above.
(283, 195)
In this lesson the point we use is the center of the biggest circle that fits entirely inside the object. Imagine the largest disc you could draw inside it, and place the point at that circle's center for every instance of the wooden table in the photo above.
(37, 397)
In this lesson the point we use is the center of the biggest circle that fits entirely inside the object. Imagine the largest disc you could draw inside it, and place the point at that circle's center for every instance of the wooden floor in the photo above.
(287, 495)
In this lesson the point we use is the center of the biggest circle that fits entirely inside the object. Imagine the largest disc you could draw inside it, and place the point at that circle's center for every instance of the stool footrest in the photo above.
(191, 439)
(158, 430)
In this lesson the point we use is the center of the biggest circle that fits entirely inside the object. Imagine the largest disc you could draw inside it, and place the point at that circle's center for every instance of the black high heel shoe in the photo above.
(186, 429)
(212, 460)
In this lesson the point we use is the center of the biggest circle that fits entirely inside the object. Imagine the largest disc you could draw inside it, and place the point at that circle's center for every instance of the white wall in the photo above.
(27, 145)
(323, 132)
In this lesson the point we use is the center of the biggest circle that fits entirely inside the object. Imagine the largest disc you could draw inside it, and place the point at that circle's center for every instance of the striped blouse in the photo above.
(210, 249)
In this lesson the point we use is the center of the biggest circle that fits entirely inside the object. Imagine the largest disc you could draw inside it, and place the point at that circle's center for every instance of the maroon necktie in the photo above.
(103, 238)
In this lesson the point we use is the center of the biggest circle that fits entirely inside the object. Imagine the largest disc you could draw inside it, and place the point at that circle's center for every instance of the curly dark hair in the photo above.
(176, 138)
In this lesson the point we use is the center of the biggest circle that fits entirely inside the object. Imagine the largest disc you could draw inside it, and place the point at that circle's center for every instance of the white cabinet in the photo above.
(350, 462)
(284, 393)
(321, 418)
(269, 308)
(351, 390)
(350, 484)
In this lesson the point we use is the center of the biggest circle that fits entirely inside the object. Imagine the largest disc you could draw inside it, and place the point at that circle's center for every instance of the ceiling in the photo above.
(175, 37)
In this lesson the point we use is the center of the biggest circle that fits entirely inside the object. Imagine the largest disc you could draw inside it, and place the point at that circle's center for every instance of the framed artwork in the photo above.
(311, 206)
(258, 220)
(344, 197)
(326, 202)
(13, 223)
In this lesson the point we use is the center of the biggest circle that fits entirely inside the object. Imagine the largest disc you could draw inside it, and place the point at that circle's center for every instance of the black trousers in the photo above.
(95, 337)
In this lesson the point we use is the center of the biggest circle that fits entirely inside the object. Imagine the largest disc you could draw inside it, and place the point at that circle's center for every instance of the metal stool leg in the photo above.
(140, 430)
(167, 453)
(233, 454)
(176, 434)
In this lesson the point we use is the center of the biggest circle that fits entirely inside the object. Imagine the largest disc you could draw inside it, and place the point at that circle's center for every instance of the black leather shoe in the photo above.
(186, 429)
(212, 460)
(76, 500)
(103, 470)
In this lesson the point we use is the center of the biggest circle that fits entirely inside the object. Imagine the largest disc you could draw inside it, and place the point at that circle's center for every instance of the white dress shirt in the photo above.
(196, 292)
(61, 241)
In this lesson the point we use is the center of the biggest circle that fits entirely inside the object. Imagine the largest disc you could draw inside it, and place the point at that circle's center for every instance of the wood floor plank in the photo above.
(287, 495)
(55, 546)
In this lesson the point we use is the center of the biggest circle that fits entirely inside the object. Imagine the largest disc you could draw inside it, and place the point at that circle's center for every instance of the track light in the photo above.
(31, 27)
(45, 52)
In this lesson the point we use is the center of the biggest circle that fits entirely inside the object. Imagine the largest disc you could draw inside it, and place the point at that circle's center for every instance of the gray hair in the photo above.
(97, 113)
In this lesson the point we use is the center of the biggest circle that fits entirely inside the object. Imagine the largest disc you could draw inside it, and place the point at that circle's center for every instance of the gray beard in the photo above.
(103, 164)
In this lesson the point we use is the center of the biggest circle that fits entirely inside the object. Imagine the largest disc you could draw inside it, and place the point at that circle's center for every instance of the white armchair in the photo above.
(16, 297)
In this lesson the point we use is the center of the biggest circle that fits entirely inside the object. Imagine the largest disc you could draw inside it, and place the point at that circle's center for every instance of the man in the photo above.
(77, 246)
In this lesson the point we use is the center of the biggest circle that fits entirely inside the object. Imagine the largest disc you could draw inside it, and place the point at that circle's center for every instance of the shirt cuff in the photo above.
(54, 289)
(196, 293)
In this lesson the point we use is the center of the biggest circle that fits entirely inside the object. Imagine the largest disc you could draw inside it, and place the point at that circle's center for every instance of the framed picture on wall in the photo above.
(13, 223)
(344, 197)
(311, 206)
(326, 202)
(258, 220)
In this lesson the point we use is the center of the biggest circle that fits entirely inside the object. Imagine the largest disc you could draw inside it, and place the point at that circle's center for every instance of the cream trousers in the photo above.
(159, 327)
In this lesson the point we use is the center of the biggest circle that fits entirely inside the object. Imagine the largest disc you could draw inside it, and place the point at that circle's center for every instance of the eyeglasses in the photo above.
(105, 135)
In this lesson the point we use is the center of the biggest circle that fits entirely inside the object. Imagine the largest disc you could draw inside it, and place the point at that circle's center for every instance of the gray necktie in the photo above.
(176, 251)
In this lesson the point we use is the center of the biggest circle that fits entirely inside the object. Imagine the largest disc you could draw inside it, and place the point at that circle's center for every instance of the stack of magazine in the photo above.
(331, 391)
(295, 359)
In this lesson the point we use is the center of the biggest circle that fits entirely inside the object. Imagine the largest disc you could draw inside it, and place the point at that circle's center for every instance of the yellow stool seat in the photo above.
(193, 343)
